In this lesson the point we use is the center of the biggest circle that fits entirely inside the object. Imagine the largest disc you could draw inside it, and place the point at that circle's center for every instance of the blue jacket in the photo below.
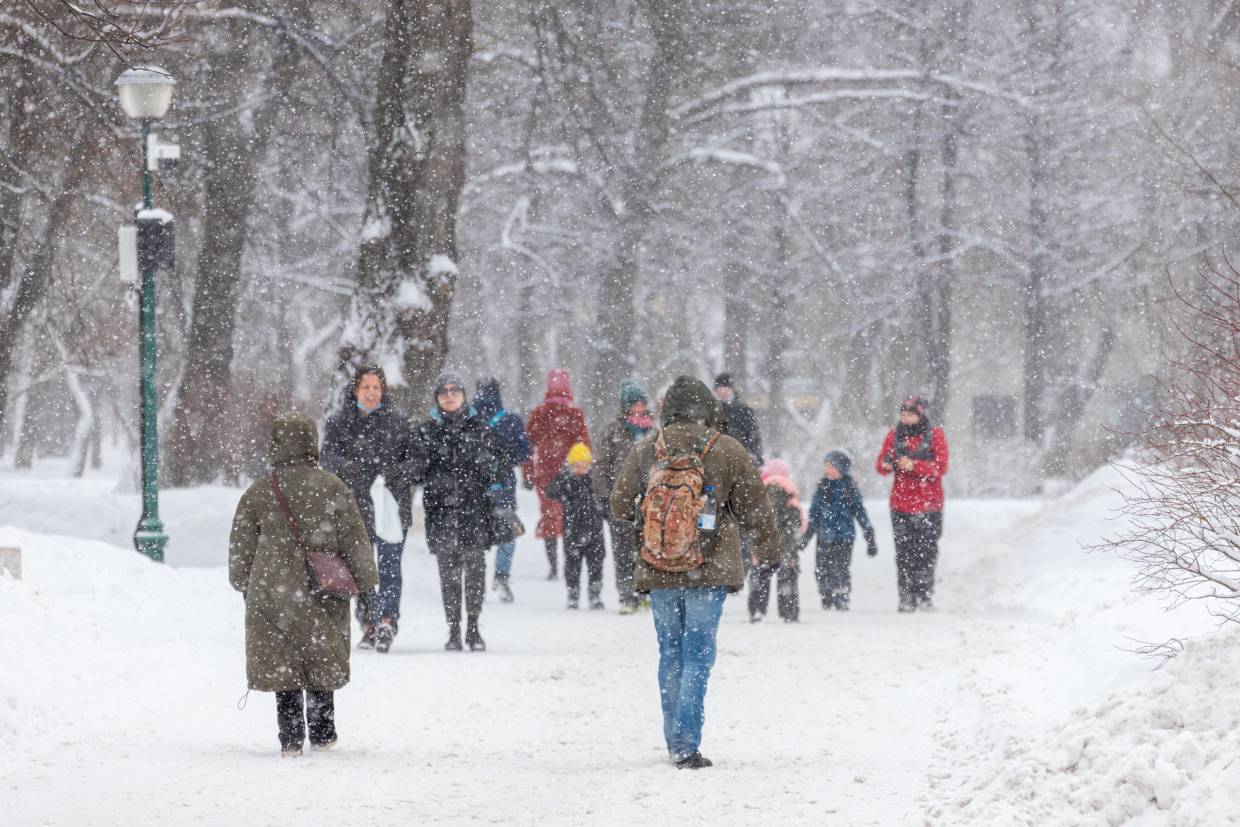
(514, 443)
(836, 504)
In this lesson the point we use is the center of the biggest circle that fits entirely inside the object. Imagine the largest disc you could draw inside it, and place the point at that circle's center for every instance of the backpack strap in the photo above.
(705, 442)
(288, 513)
(660, 448)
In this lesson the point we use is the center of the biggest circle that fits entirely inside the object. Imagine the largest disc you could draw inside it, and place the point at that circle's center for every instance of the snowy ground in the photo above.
(1014, 704)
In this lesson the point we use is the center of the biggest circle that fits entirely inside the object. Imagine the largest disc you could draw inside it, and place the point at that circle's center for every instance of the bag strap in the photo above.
(660, 448)
(288, 513)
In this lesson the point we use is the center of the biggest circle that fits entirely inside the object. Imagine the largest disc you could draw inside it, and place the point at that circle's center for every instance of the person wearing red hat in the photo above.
(916, 454)
(554, 427)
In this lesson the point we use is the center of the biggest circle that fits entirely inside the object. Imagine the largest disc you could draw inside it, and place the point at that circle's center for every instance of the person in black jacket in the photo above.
(583, 525)
(455, 459)
(368, 438)
(742, 424)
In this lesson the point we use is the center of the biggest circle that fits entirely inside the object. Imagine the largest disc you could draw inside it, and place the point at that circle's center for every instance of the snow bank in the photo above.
(1166, 749)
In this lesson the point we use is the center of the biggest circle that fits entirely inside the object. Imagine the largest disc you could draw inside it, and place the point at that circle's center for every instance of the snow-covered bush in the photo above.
(1183, 509)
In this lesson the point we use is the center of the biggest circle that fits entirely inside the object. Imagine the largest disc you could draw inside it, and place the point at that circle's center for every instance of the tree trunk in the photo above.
(935, 297)
(617, 301)
(398, 317)
(233, 145)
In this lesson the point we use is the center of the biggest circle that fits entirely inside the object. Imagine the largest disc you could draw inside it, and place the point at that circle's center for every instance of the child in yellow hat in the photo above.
(583, 525)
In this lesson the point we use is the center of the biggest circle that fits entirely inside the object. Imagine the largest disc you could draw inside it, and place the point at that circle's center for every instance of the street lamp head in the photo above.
(146, 91)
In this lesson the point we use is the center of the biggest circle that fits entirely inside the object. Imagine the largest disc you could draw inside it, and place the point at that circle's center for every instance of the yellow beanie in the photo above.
(580, 453)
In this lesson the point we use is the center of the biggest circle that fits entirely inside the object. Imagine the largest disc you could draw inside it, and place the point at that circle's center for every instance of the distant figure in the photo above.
(583, 526)
(686, 590)
(742, 424)
(456, 458)
(917, 455)
(514, 449)
(368, 438)
(296, 640)
(790, 520)
(836, 506)
(633, 423)
(554, 427)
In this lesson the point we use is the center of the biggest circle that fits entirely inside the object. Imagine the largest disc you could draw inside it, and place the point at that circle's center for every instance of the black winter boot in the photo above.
(696, 761)
(473, 639)
(454, 639)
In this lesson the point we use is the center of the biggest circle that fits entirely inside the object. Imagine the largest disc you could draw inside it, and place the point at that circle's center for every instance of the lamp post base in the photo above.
(150, 539)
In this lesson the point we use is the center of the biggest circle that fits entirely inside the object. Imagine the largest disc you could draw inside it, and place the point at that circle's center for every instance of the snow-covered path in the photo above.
(120, 682)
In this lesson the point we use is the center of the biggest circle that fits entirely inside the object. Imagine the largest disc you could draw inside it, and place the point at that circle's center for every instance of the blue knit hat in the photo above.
(840, 460)
(631, 393)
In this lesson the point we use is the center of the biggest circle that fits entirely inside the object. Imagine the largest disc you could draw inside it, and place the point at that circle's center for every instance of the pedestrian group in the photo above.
(691, 508)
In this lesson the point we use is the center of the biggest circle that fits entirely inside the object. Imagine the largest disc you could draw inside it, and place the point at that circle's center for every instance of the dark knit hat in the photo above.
(449, 379)
(915, 404)
(841, 461)
(724, 380)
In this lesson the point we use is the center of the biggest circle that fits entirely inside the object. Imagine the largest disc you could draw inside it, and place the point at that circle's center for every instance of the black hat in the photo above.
(448, 379)
(915, 404)
(724, 380)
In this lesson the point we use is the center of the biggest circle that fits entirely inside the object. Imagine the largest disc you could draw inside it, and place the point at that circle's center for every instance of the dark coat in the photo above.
(835, 507)
(456, 459)
(617, 439)
(295, 639)
(357, 448)
(583, 511)
(511, 439)
(743, 427)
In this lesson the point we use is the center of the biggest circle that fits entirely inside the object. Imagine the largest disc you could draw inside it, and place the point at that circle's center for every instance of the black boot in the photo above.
(696, 761)
(454, 639)
(472, 637)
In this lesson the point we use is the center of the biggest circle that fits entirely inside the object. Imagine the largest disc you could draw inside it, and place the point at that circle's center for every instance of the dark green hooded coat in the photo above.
(295, 639)
(742, 497)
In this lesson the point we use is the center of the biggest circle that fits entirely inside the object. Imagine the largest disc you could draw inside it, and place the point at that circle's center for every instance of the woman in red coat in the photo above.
(554, 427)
(917, 455)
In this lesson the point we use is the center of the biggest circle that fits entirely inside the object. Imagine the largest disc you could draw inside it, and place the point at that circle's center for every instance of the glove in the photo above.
(527, 483)
(803, 543)
(871, 545)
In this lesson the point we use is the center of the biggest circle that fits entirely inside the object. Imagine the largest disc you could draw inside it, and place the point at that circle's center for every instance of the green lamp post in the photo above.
(146, 93)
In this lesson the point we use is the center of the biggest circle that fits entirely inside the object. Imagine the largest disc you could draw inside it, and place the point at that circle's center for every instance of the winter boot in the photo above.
(573, 602)
(907, 604)
(472, 637)
(596, 597)
(291, 751)
(384, 634)
(552, 558)
(454, 639)
(501, 586)
(628, 608)
(368, 637)
(696, 761)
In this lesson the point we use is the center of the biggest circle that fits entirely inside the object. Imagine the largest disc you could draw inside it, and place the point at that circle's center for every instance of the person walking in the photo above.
(297, 639)
(554, 426)
(456, 457)
(633, 423)
(836, 506)
(916, 454)
(361, 442)
(790, 519)
(742, 423)
(514, 449)
(687, 591)
(583, 526)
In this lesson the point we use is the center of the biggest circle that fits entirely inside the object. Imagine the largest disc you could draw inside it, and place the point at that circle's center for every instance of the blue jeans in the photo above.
(384, 601)
(685, 621)
(503, 558)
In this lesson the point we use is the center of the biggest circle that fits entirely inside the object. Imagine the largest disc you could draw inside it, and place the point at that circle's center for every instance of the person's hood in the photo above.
(559, 386)
(294, 438)
(689, 400)
(487, 399)
(776, 468)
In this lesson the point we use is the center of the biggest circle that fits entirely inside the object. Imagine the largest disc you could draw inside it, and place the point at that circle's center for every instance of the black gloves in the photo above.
(871, 544)
(527, 483)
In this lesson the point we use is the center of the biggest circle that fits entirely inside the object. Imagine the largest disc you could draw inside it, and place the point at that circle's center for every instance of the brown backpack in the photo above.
(671, 541)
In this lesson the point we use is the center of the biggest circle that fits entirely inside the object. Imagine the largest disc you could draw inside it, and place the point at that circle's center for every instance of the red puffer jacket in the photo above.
(919, 490)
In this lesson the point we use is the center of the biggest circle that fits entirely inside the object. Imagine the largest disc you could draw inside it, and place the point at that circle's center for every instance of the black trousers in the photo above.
(462, 574)
(624, 554)
(593, 553)
(550, 542)
(833, 571)
(917, 553)
(787, 600)
(293, 714)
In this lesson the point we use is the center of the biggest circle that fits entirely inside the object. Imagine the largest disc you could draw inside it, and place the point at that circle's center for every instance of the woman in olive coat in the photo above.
(297, 641)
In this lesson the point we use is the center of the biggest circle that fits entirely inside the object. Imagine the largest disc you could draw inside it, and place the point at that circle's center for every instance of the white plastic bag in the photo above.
(387, 512)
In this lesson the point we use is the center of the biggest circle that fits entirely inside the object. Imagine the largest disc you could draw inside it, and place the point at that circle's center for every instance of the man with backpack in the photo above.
(515, 449)
(691, 490)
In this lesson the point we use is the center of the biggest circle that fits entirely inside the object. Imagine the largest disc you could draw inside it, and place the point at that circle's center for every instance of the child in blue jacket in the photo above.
(835, 507)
